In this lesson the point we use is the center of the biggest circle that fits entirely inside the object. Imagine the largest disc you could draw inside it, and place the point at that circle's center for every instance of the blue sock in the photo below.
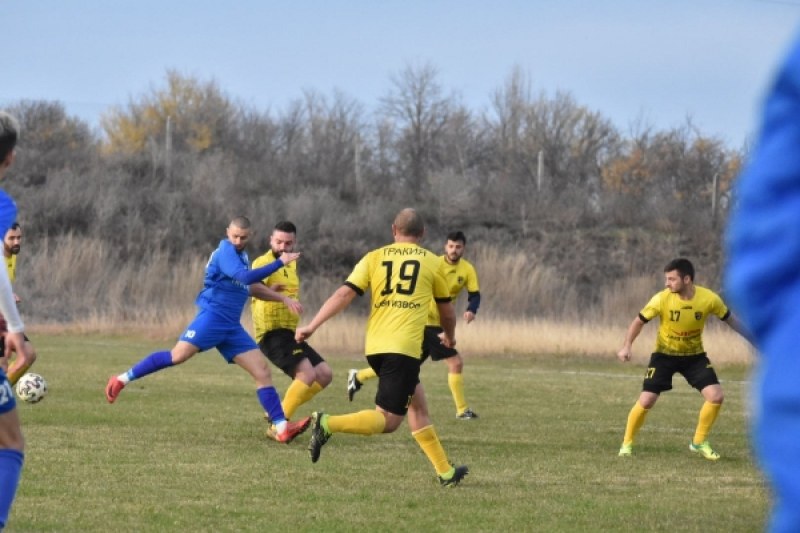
(152, 363)
(10, 471)
(271, 402)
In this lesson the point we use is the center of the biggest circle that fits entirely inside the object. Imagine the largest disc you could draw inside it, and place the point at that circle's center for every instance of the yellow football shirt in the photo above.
(11, 265)
(268, 316)
(458, 276)
(402, 278)
(682, 321)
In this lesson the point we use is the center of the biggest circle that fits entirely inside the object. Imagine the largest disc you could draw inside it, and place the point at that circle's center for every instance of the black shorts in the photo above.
(398, 376)
(432, 345)
(280, 347)
(696, 369)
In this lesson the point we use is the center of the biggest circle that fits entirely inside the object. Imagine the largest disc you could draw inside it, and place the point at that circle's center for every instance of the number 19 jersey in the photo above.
(402, 279)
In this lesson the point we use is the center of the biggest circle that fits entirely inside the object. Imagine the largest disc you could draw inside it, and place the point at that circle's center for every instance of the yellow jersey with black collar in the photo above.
(682, 321)
(11, 265)
(458, 276)
(403, 278)
(268, 316)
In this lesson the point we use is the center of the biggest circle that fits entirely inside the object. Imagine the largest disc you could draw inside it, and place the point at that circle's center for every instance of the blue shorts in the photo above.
(7, 400)
(209, 330)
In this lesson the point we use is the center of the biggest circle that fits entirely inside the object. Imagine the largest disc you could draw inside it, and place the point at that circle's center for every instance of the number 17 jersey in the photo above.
(402, 279)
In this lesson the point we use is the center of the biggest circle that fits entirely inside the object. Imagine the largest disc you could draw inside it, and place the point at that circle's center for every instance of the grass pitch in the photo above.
(183, 450)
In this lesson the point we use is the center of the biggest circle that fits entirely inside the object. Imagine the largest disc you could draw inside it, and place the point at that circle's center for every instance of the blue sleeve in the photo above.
(8, 212)
(473, 301)
(235, 265)
(248, 277)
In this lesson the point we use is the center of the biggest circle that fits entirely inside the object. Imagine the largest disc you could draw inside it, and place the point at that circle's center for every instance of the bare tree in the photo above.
(420, 112)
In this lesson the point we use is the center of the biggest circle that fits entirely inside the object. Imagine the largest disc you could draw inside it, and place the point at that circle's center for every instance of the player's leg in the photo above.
(281, 350)
(398, 377)
(204, 332)
(701, 375)
(156, 361)
(432, 347)
(311, 375)
(657, 379)
(636, 418)
(254, 363)
(425, 434)
(12, 447)
(22, 363)
(356, 378)
(455, 380)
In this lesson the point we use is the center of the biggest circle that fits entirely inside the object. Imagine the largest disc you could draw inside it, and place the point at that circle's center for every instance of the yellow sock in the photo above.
(366, 373)
(708, 415)
(635, 421)
(13, 377)
(456, 383)
(296, 395)
(428, 440)
(367, 422)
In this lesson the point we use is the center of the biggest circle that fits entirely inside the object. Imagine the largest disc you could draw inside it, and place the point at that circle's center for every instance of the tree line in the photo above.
(532, 173)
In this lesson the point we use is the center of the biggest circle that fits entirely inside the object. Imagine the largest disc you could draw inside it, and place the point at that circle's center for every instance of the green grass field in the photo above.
(183, 450)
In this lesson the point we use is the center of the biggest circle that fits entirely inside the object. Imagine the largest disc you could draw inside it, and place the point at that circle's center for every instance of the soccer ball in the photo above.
(31, 388)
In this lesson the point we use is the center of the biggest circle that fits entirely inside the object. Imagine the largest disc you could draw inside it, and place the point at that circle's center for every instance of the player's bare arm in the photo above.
(262, 292)
(736, 325)
(334, 305)
(634, 330)
(447, 319)
(288, 257)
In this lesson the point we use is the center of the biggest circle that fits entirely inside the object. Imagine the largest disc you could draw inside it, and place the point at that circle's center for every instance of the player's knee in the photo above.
(456, 364)
(323, 374)
(11, 435)
(713, 394)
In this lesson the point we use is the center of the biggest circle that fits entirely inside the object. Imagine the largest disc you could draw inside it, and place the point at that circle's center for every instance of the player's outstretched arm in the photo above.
(736, 325)
(336, 303)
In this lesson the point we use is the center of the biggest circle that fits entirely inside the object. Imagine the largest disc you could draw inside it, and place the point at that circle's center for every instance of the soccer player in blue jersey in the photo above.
(12, 443)
(763, 282)
(229, 281)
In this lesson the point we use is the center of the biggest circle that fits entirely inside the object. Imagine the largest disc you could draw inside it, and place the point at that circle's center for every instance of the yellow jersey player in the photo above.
(12, 244)
(682, 309)
(402, 278)
(460, 274)
(274, 325)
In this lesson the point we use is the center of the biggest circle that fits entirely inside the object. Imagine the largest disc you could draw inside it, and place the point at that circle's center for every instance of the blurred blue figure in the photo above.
(763, 284)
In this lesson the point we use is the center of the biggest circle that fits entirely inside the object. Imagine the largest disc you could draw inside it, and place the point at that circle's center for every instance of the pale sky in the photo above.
(657, 61)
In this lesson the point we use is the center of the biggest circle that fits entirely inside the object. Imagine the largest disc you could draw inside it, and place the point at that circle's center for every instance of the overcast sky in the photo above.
(653, 60)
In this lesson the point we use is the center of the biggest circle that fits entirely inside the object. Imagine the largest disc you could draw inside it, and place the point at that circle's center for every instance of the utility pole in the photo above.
(714, 199)
(539, 171)
(168, 149)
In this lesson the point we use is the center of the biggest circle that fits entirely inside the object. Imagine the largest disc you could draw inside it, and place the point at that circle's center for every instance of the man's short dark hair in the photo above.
(9, 131)
(241, 222)
(683, 266)
(286, 227)
(456, 236)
